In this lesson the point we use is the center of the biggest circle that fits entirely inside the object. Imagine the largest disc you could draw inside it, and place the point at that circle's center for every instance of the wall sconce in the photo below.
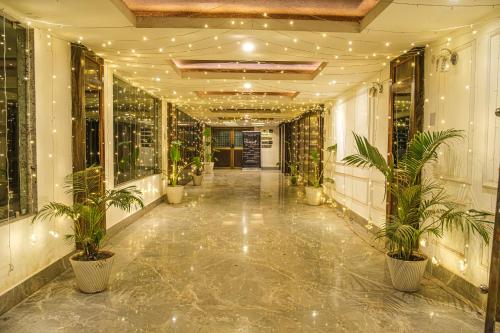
(376, 88)
(445, 58)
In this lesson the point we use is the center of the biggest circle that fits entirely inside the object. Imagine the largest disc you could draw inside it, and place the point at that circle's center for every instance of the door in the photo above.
(228, 144)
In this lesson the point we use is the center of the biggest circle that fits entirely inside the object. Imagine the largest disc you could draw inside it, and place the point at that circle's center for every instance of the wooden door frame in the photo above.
(79, 56)
(417, 103)
(231, 140)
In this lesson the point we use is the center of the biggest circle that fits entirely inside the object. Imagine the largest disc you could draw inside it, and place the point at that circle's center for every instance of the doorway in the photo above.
(227, 144)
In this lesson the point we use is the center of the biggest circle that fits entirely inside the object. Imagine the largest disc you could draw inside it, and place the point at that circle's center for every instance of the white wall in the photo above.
(360, 190)
(270, 156)
(32, 246)
(464, 97)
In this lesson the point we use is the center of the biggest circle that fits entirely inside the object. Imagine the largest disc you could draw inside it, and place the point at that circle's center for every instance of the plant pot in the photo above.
(208, 167)
(406, 275)
(175, 194)
(197, 180)
(313, 195)
(294, 180)
(92, 276)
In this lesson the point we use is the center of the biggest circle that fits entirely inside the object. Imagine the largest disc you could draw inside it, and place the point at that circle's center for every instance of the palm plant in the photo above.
(421, 205)
(315, 159)
(89, 209)
(197, 165)
(209, 150)
(293, 165)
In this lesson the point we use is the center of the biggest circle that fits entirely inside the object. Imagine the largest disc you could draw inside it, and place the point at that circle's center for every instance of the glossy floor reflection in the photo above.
(243, 253)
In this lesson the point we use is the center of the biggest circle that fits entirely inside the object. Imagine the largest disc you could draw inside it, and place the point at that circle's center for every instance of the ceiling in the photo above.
(205, 67)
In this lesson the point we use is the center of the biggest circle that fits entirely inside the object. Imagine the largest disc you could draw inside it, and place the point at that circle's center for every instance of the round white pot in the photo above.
(175, 194)
(197, 180)
(313, 195)
(92, 276)
(406, 275)
(208, 167)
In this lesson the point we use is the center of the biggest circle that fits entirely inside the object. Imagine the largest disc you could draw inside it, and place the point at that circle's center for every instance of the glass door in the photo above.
(228, 144)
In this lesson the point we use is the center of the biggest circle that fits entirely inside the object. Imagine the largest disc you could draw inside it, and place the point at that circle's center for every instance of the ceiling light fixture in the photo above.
(248, 47)
(247, 85)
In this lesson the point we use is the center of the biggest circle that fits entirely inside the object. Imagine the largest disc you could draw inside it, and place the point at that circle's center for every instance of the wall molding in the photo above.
(25, 289)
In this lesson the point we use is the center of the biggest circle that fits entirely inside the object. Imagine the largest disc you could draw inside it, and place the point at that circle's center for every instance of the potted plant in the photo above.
(294, 167)
(208, 158)
(92, 265)
(420, 205)
(175, 192)
(314, 190)
(197, 171)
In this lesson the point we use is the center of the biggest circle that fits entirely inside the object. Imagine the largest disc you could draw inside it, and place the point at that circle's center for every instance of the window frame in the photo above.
(26, 121)
(156, 134)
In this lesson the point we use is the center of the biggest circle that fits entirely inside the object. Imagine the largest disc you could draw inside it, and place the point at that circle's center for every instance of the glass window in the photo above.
(92, 106)
(16, 142)
(222, 138)
(135, 128)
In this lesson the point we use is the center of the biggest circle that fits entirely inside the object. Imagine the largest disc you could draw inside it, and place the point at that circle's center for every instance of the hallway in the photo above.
(243, 253)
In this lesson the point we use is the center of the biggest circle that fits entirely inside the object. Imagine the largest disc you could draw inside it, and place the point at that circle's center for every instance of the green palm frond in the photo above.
(422, 149)
(88, 210)
(422, 206)
(368, 156)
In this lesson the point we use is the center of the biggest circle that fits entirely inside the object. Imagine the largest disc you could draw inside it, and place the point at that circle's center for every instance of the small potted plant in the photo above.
(294, 167)
(175, 192)
(294, 173)
(208, 157)
(92, 265)
(420, 206)
(197, 171)
(314, 190)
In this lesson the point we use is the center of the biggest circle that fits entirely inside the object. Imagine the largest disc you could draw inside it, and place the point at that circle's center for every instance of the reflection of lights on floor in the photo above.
(245, 248)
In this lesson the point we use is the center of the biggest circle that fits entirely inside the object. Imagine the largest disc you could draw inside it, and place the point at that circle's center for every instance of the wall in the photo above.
(464, 97)
(359, 190)
(32, 246)
(270, 156)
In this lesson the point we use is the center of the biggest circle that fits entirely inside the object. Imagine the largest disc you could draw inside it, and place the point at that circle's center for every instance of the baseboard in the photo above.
(449, 279)
(17, 294)
(132, 218)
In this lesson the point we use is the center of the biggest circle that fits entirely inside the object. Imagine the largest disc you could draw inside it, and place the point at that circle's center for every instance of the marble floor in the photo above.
(243, 253)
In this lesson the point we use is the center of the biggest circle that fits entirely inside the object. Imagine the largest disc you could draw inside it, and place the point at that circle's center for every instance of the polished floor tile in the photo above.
(243, 253)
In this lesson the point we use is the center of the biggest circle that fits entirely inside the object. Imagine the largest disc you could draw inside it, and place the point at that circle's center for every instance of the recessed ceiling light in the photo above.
(247, 85)
(248, 47)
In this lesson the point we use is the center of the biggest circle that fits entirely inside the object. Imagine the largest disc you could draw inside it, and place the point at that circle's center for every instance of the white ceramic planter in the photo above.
(406, 275)
(92, 276)
(175, 194)
(208, 167)
(197, 180)
(313, 195)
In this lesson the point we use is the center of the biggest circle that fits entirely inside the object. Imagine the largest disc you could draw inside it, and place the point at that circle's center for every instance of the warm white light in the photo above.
(247, 85)
(248, 47)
